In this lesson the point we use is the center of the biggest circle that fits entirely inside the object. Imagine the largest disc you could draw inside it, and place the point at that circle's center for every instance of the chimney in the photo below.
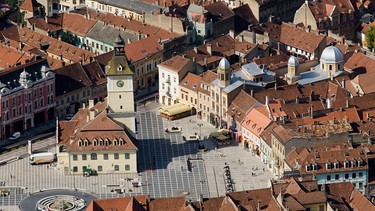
(129, 41)
(267, 101)
(312, 112)
(71, 139)
(297, 100)
(252, 93)
(33, 26)
(312, 95)
(209, 48)
(139, 36)
(343, 84)
(347, 103)
(231, 33)
(259, 209)
(91, 103)
(92, 114)
(83, 105)
(276, 86)
(143, 17)
(194, 59)
(195, 49)
(240, 38)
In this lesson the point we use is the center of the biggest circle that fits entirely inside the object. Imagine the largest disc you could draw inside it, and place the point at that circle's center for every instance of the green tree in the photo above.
(68, 37)
(21, 17)
(370, 37)
(12, 3)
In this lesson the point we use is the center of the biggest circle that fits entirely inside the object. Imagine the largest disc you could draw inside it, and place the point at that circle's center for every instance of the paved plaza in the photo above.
(162, 164)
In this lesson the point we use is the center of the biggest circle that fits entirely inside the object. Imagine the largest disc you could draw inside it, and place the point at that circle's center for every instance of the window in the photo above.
(117, 168)
(75, 157)
(315, 166)
(337, 177)
(75, 168)
(84, 157)
(354, 175)
(360, 174)
(308, 167)
(127, 156)
(328, 177)
(127, 167)
(105, 156)
(116, 156)
(346, 176)
(100, 168)
(328, 165)
(93, 156)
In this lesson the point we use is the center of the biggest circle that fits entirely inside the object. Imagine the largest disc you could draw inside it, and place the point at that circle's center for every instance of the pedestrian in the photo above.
(83, 194)
(239, 161)
(263, 168)
(11, 176)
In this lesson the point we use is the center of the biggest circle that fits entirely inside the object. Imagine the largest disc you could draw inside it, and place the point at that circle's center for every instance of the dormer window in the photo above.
(100, 142)
(337, 165)
(308, 167)
(121, 141)
(80, 143)
(346, 164)
(315, 166)
(95, 142)
(86, 142)
(354, 163)
(115, 142)
(247, 122)
(119, 68)
(254, 125)
(328, 165)
(106, 142)
(360, 162)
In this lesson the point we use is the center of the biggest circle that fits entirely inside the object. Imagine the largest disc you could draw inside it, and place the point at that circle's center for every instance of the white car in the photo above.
(15, 136)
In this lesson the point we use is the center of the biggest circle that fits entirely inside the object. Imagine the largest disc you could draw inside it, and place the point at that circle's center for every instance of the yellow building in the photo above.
(99, 141)
(93, 140)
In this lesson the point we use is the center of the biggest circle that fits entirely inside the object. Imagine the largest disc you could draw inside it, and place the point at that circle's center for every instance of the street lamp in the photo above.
(200, 130)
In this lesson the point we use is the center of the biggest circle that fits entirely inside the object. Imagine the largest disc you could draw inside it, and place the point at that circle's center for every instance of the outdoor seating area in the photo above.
(222, 137)
(173, 130)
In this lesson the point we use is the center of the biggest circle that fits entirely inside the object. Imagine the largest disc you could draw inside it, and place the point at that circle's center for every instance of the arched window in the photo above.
(354, 163)
(337, 165)
(127, 167)
(93, 156)
(346, 164)
(308, 167)
(100, 168)
(117, 168)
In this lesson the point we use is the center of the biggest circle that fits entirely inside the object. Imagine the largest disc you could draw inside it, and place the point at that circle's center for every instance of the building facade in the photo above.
(27, 95)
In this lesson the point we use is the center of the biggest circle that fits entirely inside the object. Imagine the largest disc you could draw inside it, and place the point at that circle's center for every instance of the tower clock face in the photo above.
(120, 83)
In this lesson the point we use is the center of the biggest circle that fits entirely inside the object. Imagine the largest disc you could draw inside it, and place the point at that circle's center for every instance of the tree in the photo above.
(12, 3)
(68, 37)
(370, 37)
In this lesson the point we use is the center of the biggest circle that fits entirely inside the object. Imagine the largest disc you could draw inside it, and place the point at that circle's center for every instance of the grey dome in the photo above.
(224, 64)
(293, 61)
(332, 54)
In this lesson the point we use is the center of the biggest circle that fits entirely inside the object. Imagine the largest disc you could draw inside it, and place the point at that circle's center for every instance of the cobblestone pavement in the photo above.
(162, 164)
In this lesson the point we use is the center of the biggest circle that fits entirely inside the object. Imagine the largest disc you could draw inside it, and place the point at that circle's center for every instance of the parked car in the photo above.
(4, 192)
(15, 136)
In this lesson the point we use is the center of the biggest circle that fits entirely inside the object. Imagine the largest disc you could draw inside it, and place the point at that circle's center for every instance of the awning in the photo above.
(222, 137)
(215, 134)
(174, 109)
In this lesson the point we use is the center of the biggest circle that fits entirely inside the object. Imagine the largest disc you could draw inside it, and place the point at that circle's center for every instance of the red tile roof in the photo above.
(141, 49)
(30, 5)
(256, 120)
(77, 24)
(133, 203)
(99, 128)
(191, 82)
(56, 47)
(360, 63)
(300, 38)
(240, 106)
(167, 204)
(10, 56)
(176, 63)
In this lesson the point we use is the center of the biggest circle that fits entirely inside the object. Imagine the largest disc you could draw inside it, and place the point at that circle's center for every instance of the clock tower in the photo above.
(120, 93)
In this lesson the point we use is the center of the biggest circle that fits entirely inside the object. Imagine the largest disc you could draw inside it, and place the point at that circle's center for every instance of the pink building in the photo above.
(27, 94)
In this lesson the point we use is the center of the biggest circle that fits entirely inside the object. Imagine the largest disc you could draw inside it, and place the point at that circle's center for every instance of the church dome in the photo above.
(332, 54)
(293, 61)
(224, 64)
